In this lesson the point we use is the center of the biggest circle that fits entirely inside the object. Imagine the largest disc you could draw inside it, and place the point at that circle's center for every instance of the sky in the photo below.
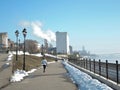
(94, 24)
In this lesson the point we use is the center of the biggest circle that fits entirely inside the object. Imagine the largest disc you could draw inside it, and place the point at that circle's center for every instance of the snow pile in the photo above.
(38, 55)
(33, 70)
(9, 58)
(19, 52)
(50, 55)
(83, 80)
(20, 74)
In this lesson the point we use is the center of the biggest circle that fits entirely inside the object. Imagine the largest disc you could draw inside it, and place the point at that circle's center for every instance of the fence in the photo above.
(109, 70)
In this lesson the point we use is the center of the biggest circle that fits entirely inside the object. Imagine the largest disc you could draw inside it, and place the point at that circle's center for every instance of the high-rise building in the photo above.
(62, 42)
(3, 40)
(71, 49)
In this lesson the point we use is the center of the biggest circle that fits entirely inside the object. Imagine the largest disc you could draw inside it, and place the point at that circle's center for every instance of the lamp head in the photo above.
(24, 32)
(17, 33)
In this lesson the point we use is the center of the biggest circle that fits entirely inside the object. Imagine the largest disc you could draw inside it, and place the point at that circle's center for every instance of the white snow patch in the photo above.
(20, 74)
(83, 80)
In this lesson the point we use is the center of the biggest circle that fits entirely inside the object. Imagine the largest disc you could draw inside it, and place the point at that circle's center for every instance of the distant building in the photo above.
(52, 50)
(62, 43)
(11, 45)
(46, 45)
(83, 52)
(71, 49)
(3, 40)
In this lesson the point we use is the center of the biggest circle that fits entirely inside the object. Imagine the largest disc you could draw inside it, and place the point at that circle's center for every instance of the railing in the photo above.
(109, 70)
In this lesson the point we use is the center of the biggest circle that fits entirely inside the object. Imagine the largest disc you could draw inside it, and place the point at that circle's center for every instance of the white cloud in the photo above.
(38, 31)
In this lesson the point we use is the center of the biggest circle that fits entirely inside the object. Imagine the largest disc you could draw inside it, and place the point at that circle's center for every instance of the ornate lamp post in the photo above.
(16, 33)
(24, 34)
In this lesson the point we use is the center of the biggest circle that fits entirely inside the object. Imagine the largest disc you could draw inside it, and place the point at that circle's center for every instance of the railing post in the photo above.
(107, 69)
(79, 61)
(90, 64)
(99, 67)
(117, 73)
(94, 65)
(86, 64)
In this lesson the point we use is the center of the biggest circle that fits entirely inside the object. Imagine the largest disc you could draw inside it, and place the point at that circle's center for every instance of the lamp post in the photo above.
(56, 57)
(42, 50)
(19, 45)
(24, 34)
(16, 33)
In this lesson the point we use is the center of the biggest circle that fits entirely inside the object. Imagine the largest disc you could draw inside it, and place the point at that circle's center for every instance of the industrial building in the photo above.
(62, 43)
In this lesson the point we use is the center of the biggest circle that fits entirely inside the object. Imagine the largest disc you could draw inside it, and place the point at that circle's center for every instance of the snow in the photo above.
(83, 80)
(9, 58)
(38, 55)
(19, 52)
(50, 55)
(20, 74)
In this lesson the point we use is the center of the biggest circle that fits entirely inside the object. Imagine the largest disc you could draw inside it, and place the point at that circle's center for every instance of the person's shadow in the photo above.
(5, 66)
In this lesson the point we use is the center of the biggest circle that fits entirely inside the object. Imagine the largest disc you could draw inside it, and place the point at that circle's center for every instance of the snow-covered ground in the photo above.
(83, 80)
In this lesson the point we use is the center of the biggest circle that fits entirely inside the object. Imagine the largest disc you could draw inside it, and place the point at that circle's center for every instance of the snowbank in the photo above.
(19, 52)
(83, 80)
(38, 55)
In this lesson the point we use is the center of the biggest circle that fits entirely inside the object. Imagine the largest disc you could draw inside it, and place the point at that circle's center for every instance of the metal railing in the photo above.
(109, 70)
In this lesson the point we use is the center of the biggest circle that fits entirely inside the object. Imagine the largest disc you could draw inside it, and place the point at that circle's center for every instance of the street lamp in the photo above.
(16, 33)
(19, 45)
(24, 34)
(42, 50)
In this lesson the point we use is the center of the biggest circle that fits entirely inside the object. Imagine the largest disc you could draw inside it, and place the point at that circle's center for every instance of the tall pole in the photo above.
(24, 34)
(19, 45)
(42, 50)
(16, 48)
(24, 56)
(16, 33)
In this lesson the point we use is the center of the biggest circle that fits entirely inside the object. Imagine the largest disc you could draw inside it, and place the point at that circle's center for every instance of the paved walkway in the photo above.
(55, 78)
(5, 72)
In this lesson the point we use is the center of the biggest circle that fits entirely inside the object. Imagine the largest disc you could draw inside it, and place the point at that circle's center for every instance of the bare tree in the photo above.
(32, 46)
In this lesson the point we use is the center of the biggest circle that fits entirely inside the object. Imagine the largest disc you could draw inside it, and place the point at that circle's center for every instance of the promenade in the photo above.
(55, 78)
(5, 71)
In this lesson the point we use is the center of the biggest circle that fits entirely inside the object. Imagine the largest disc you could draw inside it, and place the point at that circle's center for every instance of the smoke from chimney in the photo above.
(37, 30)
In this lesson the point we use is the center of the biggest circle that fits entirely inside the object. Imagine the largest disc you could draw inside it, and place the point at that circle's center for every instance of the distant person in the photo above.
(44, 63)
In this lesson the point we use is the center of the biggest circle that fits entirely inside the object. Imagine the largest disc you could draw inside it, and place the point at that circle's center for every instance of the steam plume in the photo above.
(37, 30)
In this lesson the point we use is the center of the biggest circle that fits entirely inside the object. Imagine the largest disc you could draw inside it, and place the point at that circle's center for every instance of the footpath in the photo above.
(5, 70)
(55, 78)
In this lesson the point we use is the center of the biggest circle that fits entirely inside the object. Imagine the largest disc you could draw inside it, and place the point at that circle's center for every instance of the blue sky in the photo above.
(92, 23)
